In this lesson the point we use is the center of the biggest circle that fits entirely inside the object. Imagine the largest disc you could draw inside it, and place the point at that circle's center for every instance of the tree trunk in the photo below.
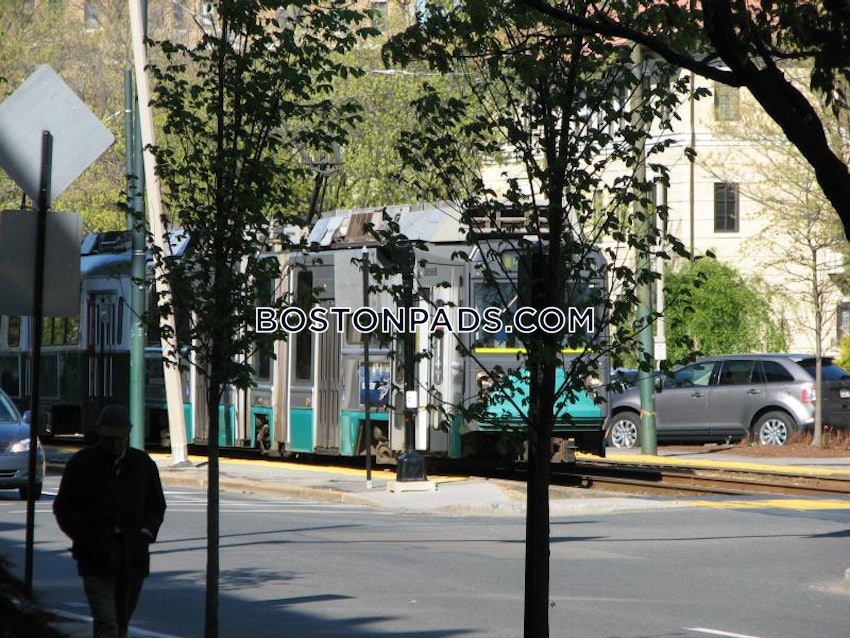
(211, 609)
(816, 292)
(541, 416)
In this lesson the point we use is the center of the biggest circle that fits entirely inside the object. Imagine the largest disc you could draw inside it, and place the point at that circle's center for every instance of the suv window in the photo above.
(775, 372)
(735, 372)
(831, 372)
(695, 374)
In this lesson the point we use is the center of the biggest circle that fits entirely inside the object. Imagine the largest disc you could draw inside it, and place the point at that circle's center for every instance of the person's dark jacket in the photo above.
(95, 501)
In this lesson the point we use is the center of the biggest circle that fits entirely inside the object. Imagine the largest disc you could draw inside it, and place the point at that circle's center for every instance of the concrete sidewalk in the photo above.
(448, 495)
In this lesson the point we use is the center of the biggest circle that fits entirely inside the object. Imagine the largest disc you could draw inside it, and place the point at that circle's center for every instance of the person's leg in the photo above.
(100, 592)
(127, 592)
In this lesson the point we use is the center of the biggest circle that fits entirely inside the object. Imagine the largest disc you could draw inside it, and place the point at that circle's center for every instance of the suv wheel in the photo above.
(624, 430)
(773, 428)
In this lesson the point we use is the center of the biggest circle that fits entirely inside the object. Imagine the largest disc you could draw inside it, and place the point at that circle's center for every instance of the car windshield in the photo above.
(831, 372)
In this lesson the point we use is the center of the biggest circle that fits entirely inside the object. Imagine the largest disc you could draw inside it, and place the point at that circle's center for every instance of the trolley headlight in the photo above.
(483, 380)
(593, 381)
(593, 386)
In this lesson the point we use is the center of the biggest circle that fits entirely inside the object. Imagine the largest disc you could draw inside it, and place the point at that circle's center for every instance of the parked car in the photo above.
(769, 397)
(14, 451)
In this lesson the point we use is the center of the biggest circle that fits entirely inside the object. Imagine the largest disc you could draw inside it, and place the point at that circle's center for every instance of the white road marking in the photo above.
(134, 631)
(717, 632)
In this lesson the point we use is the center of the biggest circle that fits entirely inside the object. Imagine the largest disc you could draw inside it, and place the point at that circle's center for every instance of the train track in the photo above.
(636, 478)
(669, 480)
(652, 478)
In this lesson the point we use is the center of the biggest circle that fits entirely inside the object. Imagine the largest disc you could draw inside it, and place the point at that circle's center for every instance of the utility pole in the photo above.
(367, 381)
(648, 439)
(173, 385)
(136, 226)
(660, 333)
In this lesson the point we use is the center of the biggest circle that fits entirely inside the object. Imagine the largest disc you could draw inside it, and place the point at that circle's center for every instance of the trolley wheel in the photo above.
(383, 454)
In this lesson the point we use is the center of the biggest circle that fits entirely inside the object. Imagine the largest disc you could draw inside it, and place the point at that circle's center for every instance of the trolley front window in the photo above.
(502, 295)
(580, 315)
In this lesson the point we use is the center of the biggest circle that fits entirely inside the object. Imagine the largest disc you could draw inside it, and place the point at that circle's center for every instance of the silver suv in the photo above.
(723, 398)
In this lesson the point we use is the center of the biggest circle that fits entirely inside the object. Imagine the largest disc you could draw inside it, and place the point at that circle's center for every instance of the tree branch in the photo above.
(602, 24)
(779, 98)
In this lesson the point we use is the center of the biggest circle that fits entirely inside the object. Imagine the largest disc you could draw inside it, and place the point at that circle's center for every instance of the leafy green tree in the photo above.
(91, 62)
(843, 358)
(714, 309)
(240, 107)
(745, 44)
(553, 99)
(369, 169)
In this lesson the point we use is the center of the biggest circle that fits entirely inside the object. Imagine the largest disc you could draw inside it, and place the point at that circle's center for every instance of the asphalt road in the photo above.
(307, 570)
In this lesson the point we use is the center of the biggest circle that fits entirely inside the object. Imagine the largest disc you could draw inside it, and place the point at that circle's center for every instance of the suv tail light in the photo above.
(808, 394)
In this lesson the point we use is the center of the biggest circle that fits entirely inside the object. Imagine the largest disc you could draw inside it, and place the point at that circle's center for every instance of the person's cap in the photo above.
(114, 420)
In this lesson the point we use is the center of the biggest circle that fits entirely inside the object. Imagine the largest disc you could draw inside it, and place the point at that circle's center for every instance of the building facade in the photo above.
(739, 190)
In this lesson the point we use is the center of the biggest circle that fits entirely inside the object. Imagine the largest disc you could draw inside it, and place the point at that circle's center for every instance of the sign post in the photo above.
(44, 109)
(37, 315)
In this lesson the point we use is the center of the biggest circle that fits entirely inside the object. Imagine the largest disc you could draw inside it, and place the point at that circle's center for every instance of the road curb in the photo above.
(254, 486)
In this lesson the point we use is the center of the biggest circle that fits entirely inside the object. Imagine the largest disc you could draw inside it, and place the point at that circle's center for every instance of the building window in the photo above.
(90, 16)
(727, 103)
(207, 14)
(379, 17)
(178, 16)
(843, 320)
(725, 207)
(58, 331)
(13, 336)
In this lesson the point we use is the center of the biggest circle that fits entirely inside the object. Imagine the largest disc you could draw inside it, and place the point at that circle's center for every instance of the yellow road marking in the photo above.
(377, 472)
(777, 503)
(714, 464)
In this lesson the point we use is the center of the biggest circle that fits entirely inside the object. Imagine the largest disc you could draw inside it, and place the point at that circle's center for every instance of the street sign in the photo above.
(61, 263)
(45, 103)
(43, 119)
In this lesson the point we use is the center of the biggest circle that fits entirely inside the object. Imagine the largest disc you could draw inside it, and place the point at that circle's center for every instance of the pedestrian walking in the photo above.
(110, 503)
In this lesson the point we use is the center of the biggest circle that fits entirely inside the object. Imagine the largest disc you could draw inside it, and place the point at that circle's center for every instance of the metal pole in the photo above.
(648, 441)
(367, 401)
(660, 333)
(411, 465)
(173, 384)
(37, 320)
(136, 222)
